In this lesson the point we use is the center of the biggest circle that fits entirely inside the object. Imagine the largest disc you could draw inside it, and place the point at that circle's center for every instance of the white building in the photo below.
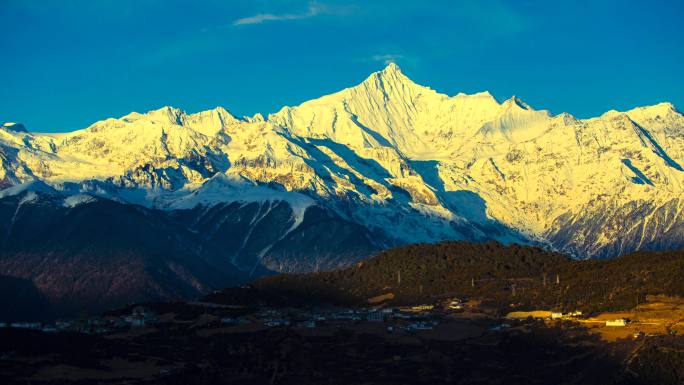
(617, 322)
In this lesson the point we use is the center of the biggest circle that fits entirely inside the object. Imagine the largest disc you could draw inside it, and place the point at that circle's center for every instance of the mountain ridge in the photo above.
(387, 162)
(391, 68)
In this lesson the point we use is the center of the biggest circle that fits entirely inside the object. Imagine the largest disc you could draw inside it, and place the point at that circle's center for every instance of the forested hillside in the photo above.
(503, 275)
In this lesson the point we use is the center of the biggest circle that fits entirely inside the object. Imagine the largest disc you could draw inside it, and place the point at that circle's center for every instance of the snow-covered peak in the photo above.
(663, 109)
(566, 119)
(483, 96)
(167, 115)
(392, 67)
(164, 115)
(391, 82)
(515, 102)
(662, 120)
(257, 118)
(211, 121)
(392, 72)
(660, 110)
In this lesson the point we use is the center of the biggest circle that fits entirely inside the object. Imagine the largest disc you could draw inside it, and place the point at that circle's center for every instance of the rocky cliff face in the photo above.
(383, 163)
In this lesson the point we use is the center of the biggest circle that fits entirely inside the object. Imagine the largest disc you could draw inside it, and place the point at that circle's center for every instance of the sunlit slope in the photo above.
(403, 161)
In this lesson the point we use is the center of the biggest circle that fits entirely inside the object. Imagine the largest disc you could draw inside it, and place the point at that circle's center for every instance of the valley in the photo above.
(199, 344)
(351, 325)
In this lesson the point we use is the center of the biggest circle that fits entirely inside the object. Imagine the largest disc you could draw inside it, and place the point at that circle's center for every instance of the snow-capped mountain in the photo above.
(383, 163)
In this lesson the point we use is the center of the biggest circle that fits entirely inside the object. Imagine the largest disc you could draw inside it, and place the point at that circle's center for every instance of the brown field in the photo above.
(659, 315)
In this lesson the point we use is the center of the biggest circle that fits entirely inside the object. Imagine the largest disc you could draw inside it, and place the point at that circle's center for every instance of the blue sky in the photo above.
(67, 63)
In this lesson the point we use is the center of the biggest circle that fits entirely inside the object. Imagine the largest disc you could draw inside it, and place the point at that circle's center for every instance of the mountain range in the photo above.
(168, 204)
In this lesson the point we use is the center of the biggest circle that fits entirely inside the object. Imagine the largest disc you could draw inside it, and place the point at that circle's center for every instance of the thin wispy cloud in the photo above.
(313, 10)
(386, 58)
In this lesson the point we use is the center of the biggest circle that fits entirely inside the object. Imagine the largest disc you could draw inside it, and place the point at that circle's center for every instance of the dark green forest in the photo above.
(503, 275)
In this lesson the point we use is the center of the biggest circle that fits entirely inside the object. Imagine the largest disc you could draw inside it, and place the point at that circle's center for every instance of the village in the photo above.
(139, 317)
(421, 317)
(162, 340)
(443, 320)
